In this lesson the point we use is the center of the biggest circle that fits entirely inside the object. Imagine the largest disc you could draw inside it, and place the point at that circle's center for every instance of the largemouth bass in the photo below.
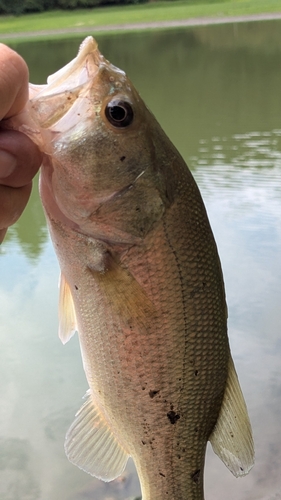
(141, 282)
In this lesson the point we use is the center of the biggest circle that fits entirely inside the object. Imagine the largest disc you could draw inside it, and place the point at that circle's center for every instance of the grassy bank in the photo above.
(148, 12)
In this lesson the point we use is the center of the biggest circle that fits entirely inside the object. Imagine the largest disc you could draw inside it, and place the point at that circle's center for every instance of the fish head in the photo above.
(100, 141)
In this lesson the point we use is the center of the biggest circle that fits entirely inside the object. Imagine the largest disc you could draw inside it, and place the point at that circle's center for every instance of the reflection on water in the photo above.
(30, 234)
(216, 91)
(240, 179)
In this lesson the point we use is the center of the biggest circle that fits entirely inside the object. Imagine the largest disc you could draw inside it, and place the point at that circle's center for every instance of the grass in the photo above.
(154, 11)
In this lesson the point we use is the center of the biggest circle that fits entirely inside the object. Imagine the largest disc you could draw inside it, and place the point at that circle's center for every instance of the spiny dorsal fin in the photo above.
(67, 316)
(91, 445)
(232, 438)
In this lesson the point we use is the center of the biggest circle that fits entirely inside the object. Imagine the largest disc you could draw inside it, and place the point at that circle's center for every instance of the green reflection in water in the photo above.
(30, 232)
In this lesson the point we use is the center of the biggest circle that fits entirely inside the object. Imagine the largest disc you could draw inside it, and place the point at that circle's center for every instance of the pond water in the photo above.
(216, 92)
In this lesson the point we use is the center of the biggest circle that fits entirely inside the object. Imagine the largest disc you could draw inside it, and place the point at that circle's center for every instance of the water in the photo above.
(216, 91)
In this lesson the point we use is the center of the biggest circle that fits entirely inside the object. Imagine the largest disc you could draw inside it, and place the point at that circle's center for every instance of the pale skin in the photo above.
(20, 159)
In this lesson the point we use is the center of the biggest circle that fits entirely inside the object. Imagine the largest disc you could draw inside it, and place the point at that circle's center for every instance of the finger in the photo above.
(21, 159)
(13, 82)
(12, 203)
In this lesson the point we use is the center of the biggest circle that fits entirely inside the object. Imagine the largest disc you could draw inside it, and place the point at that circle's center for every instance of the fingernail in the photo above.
(7, 164)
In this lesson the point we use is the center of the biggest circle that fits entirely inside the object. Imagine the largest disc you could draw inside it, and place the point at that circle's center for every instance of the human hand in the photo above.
(20, 159)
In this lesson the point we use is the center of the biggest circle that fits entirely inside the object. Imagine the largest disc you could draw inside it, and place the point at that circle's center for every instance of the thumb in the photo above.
(13, 82)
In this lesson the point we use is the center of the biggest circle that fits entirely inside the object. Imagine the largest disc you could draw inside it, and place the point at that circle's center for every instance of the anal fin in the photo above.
(232, 438)
(91, 445)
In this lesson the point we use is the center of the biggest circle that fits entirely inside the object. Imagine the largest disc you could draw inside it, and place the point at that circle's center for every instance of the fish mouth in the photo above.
(51, 104)
(47, 112)
(74, 74)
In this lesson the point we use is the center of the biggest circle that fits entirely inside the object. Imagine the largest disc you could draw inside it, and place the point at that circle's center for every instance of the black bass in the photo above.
(141, 282)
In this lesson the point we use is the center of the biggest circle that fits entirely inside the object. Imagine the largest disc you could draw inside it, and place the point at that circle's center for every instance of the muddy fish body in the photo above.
(141, 283)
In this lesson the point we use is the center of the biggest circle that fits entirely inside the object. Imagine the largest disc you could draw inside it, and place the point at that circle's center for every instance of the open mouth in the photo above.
(61, 103)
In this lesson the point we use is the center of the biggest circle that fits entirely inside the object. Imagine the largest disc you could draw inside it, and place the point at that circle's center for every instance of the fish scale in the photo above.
(141, 282)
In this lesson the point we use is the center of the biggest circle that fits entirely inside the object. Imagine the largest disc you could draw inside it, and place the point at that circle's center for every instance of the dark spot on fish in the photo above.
(143, 442)
(179, 379)
(196, 429)
(171, 406)
(231, 435)
(76, 287)
(241, 468)
(160, 474)
(196, 373)
(173, 417)
(122, 158)
(143, 388)
(152, 394)
(179, 456)
(195, 476)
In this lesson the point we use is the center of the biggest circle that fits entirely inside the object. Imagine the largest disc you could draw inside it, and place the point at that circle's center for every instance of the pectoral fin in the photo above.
(91, 445)
(232, 438)
(67, 316)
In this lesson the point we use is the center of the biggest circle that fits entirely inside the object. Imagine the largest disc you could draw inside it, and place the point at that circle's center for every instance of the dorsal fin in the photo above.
(232, 438)
(67, 315)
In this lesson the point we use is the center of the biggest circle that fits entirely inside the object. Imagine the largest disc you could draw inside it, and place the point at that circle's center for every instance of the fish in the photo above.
(141, 282)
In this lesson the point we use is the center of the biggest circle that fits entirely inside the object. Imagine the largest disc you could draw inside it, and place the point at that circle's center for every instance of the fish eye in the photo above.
(119, 113)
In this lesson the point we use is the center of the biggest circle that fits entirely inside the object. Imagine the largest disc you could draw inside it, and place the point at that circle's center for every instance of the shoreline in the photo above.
(196, 21)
